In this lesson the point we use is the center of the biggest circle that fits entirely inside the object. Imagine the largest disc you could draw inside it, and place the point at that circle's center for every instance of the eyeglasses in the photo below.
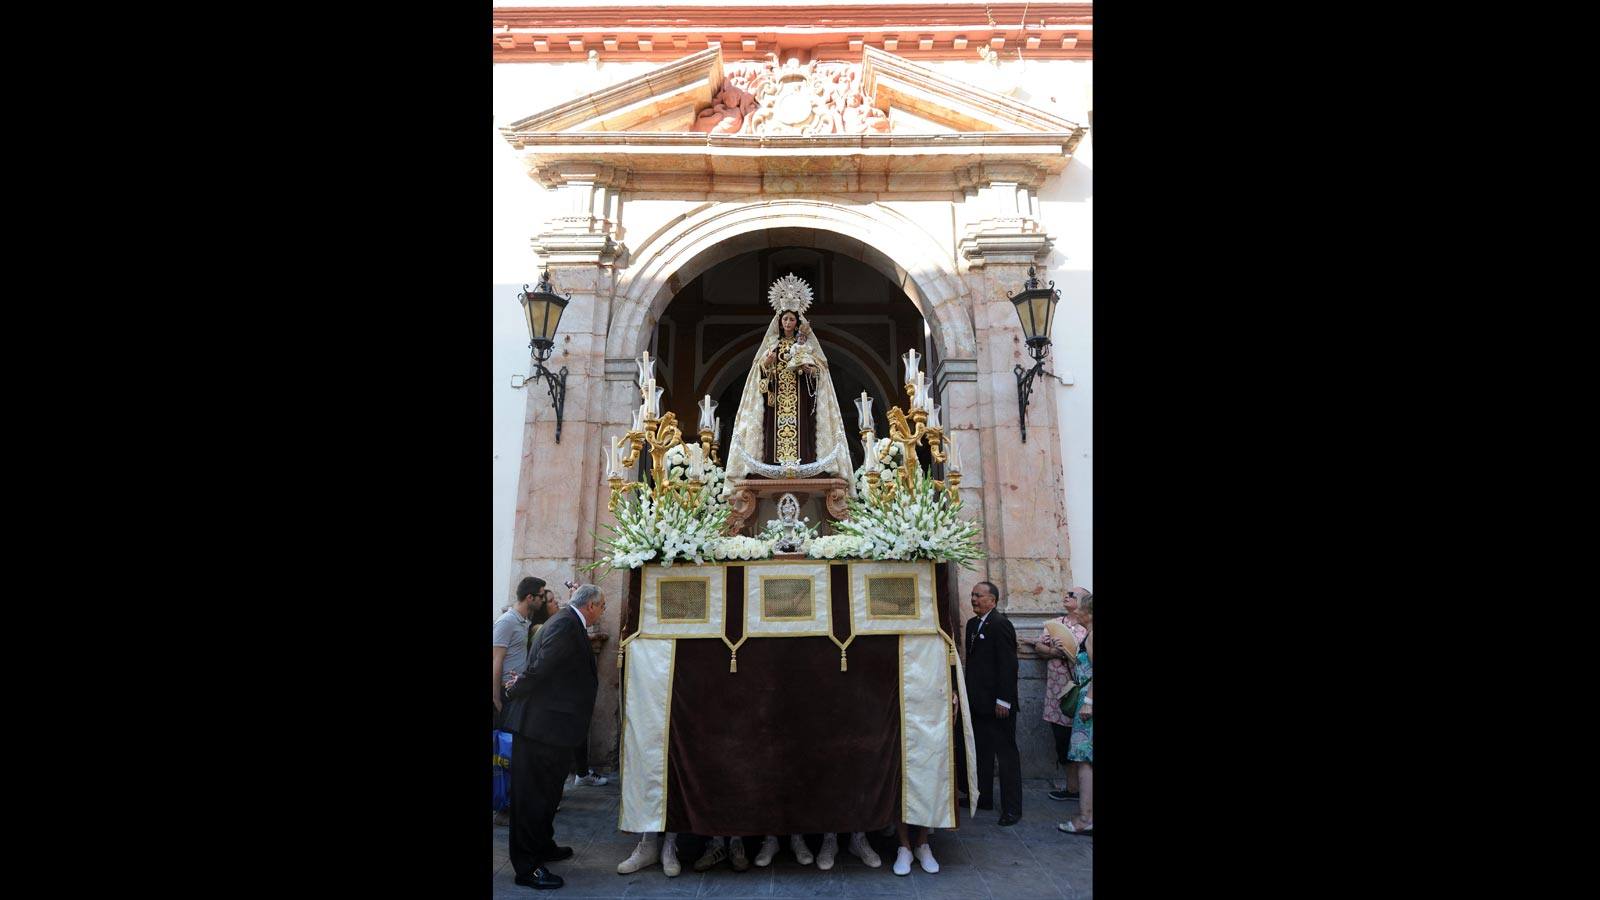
(1073, 595)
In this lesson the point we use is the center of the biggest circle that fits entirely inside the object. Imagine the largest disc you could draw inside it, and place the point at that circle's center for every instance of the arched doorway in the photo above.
(710, 329)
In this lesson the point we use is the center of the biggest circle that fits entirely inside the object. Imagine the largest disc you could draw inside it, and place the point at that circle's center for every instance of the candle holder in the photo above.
(935, 437)
(687, 493)
(908, 434)
(875, 486)
(620, 486)
(660, 435)
(708, 443)
(951, 486)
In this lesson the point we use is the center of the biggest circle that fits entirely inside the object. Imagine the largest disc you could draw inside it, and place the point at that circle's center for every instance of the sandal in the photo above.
(1071, 827)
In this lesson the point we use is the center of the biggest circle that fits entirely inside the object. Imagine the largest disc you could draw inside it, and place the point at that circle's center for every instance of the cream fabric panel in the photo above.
(966, 736)
(647, 708)
(817, 618)
(670, 579)
(922, 619)
(926, 745)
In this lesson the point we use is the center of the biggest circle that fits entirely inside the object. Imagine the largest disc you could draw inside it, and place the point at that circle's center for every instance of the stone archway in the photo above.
(875, 234)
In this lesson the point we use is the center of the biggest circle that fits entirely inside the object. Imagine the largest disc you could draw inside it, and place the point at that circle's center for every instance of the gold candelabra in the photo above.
(660, 435)
(909, 430)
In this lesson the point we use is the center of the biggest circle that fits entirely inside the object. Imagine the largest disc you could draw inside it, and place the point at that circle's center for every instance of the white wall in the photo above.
(1067, 206)
(509, 412)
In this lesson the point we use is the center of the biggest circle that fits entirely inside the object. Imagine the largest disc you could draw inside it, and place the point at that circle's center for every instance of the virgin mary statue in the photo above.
(788, 424)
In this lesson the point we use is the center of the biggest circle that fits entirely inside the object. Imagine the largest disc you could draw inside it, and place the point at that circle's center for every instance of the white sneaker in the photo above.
(830, 849)
(590, 780)
(902, 862)
(769, 849)
(925, 856)
(802, 853)
(863, 851)
(644, 856)
(669, 855)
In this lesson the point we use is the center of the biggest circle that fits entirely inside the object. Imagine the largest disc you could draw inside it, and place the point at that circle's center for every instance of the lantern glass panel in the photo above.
(1042, 309)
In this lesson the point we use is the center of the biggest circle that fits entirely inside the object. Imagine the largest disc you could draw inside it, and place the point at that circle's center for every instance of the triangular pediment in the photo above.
(896, 84)
(882, 94)
(664, 99)
(882, 126)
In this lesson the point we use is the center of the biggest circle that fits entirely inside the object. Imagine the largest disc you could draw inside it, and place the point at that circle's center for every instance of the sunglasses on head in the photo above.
(1072, 594)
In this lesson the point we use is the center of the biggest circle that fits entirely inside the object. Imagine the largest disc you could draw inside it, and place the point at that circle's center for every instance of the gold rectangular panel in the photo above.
(786, 599)
(684, 599)
(892, 596)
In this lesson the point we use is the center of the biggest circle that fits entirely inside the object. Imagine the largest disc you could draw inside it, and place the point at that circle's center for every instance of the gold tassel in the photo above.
(619, 659)
(844, 664)
(733, 663)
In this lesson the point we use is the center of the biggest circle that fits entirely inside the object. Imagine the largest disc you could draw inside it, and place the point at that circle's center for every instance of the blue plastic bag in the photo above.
(502, 771)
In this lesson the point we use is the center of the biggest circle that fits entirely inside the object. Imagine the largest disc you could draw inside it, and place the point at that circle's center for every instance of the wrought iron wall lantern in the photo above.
(543, 309)
(1036, 307)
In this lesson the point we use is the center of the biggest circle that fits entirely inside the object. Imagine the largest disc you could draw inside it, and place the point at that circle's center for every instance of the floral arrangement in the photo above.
(920, 523)
(836, 546)
(663, 530)
(887, 470)
(741, 547)
(717, 491)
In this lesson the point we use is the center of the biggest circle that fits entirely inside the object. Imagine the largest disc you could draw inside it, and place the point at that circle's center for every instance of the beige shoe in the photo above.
(644, 856)
(669, 855)
(860, 849)
(769, 849)
(830, 850)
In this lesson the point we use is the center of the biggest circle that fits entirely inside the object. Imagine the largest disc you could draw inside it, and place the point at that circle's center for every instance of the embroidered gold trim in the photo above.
(787, 416)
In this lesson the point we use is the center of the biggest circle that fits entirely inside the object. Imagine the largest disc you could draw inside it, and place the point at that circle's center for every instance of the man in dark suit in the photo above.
(548, 714)
(992, 690)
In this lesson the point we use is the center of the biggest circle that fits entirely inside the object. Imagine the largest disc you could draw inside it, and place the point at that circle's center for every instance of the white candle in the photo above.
(716, 427)
(864, 410)
(707, 408)
(694, 470)
(646, 370)
(655, 399)
(614, 458)
(953, 456)
(911, 358)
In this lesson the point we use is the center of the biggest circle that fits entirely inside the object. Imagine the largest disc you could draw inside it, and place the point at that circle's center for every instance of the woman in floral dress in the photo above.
(1058, 677)
(1081, 748)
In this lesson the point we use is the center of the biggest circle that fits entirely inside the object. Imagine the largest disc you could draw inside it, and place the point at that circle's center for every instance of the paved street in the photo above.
(978, 861)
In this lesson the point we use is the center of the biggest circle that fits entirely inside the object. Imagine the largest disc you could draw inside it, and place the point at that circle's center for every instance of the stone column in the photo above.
(1025, 523)
(561, 490)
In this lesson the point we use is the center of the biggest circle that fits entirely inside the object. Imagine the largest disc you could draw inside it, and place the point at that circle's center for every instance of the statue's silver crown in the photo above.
(790, 294)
